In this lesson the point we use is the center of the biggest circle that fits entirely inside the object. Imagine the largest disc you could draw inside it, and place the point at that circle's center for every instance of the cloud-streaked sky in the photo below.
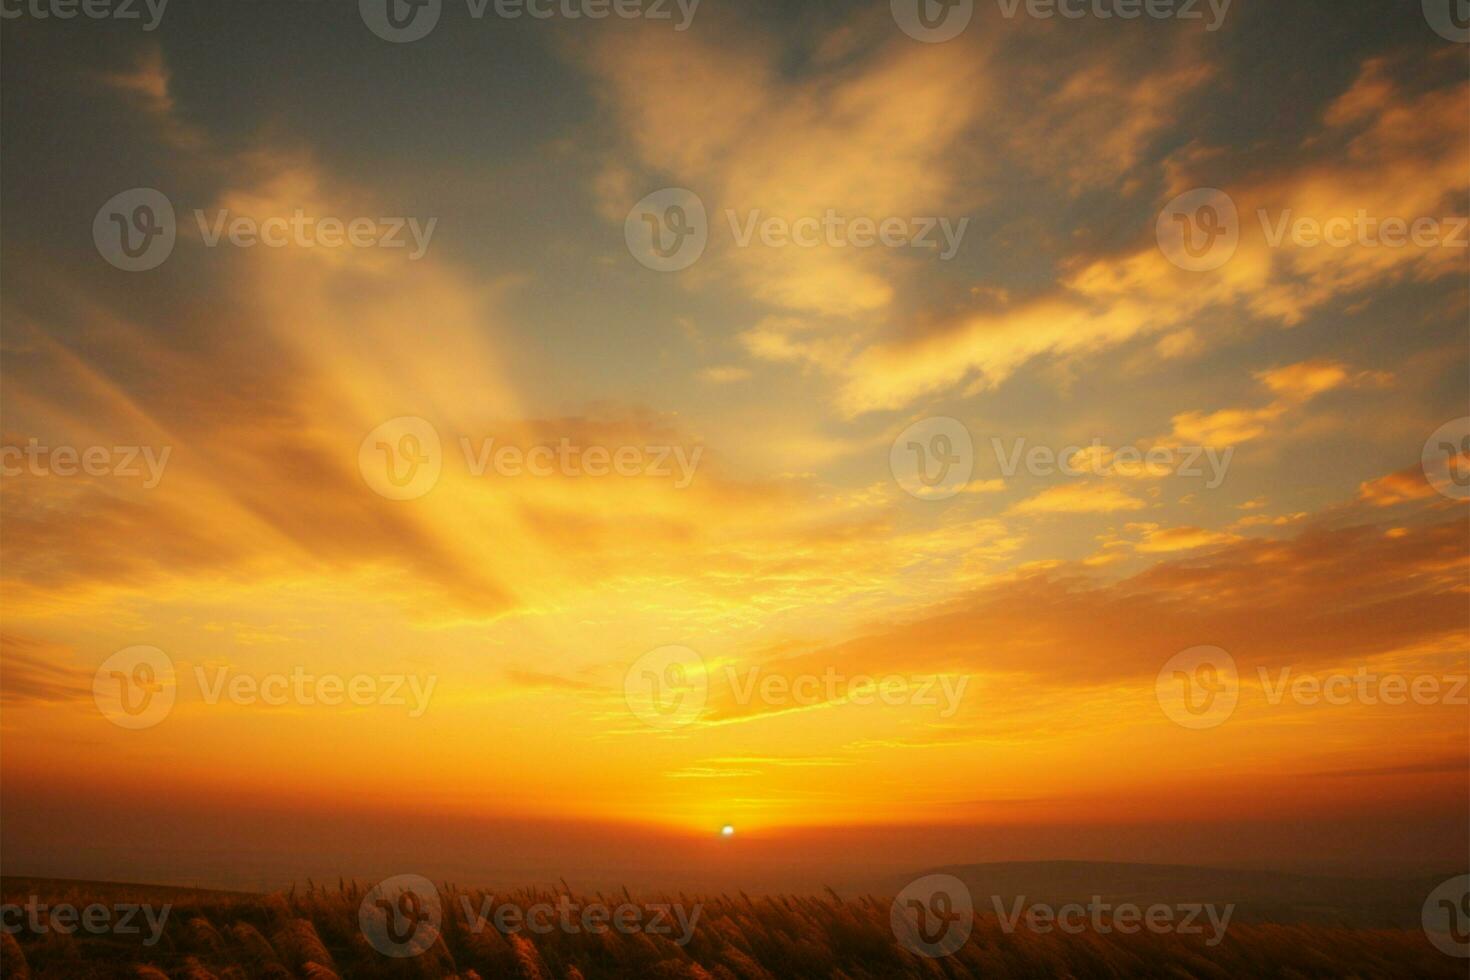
(1304, 380)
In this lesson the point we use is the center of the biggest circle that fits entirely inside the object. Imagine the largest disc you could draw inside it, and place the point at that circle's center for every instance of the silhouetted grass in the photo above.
(314, 933)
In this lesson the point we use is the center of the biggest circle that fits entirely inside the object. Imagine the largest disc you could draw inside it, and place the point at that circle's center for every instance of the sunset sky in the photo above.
(1050, 602)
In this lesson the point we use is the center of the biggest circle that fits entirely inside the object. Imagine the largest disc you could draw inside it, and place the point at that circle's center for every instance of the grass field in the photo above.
(315, 933)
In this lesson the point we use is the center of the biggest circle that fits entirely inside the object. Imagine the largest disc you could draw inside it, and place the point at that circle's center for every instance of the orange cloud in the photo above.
(1388, 168)
(1396, 488)
(868, 138)
(1293, 384)
(1079, 498)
